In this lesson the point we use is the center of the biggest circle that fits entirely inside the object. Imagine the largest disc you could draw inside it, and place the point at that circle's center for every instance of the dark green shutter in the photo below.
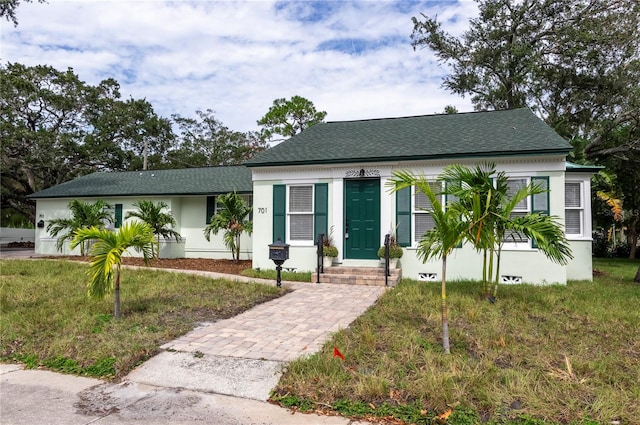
(321, 210)
(118, 217)
(211, 208)
(540, 201)
(279, 212)
(403, 216)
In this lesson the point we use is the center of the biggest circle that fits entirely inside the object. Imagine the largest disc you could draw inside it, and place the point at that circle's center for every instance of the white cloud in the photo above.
(237, 57)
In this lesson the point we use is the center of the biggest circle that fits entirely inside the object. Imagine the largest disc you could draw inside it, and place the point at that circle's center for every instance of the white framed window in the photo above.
(521, 209)
(574, 208)
(422, 219)
(300, 213)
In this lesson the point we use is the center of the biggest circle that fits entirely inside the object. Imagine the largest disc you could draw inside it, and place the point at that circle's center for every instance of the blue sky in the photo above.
(351, 59)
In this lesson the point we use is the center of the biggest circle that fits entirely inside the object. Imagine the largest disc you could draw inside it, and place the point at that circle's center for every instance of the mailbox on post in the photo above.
(279, 253)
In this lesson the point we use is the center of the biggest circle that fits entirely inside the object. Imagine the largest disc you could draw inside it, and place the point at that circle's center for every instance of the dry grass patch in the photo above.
(555, 354)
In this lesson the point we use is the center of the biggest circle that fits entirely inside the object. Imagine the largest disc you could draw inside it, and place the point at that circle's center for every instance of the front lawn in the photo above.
(555, 354)
(48, 320)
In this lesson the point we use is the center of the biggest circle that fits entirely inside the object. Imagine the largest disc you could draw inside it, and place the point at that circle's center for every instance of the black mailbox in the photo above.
(279, 253)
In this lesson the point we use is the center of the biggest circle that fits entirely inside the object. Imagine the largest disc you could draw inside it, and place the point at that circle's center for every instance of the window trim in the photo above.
(415, 211)
(580, 209)
(289, 214)
(527, 244)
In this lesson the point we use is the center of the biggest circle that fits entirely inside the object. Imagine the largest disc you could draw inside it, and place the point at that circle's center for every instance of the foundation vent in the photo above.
(510, 279)
(428, 277)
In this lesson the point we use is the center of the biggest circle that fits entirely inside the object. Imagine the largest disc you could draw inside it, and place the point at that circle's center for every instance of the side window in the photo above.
(423, 222)
(300, 213)
(520, 210)
(574, 208)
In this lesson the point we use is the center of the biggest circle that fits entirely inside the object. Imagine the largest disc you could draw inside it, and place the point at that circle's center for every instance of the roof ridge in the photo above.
(429, 115)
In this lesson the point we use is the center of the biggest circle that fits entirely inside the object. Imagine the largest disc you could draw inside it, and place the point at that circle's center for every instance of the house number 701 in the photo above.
(262, 210)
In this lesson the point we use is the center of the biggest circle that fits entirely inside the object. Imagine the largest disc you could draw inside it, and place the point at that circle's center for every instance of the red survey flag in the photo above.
(337, 353)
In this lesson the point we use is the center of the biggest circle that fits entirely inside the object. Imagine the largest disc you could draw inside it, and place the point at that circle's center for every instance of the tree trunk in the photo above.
(637, 279)
(445, 318)
(116, 307)
(633, 236)
(495, 283)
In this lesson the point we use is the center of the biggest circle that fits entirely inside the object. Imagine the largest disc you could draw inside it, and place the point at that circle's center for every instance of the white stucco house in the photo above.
(332, 178)
(190, 193)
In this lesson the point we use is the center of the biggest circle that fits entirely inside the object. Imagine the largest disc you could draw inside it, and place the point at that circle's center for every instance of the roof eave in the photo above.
(562, 151)
(93, 195)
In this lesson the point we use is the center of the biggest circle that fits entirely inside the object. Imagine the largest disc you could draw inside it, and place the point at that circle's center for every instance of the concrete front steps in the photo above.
(357, 276)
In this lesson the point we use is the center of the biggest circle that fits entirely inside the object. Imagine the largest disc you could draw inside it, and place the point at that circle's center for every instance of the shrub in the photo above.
(329, 251)
(395, 251)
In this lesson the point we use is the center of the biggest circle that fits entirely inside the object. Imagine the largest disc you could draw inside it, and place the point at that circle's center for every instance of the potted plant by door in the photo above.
(329, 250)
(395, 252)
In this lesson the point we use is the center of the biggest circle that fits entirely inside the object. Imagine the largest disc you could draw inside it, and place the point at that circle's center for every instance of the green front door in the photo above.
(362, 218)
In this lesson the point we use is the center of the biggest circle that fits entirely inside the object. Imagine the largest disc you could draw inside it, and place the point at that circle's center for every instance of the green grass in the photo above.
(554, 354)
(48, 321)
(284, 275)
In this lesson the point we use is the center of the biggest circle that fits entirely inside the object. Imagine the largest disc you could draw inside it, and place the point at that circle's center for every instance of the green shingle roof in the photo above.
(187, 181)
(493, 133)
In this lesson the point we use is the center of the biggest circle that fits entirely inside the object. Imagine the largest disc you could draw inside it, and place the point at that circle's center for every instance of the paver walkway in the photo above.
(285, 328)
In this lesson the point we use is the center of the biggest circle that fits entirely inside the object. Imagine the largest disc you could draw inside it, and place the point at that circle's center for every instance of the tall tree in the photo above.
(232, 217)
(107, 252)
(290, 117)
(161, 222)
(8, 9)
(206, 142)
(54, 127)
(83, 215)
(41, 128)
(575, 62)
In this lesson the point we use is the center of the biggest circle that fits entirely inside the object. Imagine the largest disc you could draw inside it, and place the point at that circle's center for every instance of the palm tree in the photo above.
(107, 255)
(498, 223)
(232, 216)
(474, 196)
(438, 242)
(545, 230)
(159, 221)
(84, 215)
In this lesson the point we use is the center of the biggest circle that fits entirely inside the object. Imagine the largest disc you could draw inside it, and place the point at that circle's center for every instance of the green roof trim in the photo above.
(514, 132)
(186, 181)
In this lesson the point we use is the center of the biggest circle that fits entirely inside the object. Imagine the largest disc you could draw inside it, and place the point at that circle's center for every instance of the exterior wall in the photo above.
(193, 219)
(581, 266)
(190, 215)
(10, 234)
(518, 260)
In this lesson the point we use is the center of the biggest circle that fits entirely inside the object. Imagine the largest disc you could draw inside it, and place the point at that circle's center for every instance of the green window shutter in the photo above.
(321, 210)
(211, 208)
(118, 217)
(403, 216)
(279, 212)
(540, 201)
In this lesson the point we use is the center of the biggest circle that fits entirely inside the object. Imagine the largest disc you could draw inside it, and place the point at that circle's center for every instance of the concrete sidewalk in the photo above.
(220, 373)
